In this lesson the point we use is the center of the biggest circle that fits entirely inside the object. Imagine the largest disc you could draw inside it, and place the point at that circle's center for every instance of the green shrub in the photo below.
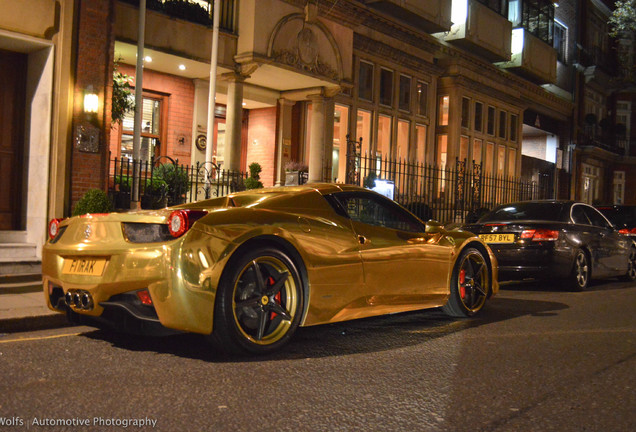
(253, 181)
(93, 201)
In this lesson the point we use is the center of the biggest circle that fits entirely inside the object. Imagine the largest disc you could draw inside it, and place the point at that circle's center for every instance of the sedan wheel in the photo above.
(470, 284)
(580, 276)
(259, 303)
(631, 267)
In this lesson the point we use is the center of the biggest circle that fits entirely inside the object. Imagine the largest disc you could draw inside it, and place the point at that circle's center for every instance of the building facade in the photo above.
(517, 87)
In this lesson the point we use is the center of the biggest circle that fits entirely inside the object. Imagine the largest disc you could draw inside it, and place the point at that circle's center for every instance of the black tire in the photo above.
(470, 284)
(579, 278)
(259, 303)
(630, 276)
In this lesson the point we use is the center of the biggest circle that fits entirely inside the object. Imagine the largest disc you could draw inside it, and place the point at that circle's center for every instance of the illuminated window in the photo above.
(403, 139)
(443, 110)
(150, 130)
(477, 146)
(420, 135)
(512, 162)
(384, 137)
(463, 148)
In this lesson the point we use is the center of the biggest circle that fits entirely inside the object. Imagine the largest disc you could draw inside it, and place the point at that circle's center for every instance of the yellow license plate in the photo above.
(84, 266)
(497, 238)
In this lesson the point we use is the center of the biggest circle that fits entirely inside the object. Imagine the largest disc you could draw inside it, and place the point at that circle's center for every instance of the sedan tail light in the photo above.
(53, 227)
(180, 221)
(540, 235)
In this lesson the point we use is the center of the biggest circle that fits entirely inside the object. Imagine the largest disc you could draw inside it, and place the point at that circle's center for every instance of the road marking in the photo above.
(39, 338)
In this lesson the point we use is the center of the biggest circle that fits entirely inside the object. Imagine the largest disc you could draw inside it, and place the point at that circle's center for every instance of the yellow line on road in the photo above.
(38, 338)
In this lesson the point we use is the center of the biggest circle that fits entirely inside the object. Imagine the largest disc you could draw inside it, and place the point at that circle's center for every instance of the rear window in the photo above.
(525, 211)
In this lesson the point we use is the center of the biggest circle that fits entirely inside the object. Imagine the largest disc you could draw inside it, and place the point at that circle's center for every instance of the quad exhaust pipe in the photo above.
(78, 299)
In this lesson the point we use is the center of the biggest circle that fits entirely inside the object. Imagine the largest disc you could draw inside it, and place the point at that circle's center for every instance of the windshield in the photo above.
(544, 211)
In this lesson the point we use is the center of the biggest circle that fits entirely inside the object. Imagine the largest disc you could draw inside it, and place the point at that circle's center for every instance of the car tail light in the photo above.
(53, 227)
(180, 221)
(144, 296)
(540, 235)
(627, 231)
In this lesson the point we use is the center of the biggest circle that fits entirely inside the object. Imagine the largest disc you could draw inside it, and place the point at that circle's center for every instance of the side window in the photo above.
(596, 218)
(378, 211)
(578, 215)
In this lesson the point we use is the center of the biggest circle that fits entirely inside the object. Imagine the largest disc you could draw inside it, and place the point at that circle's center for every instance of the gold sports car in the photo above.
(249, 268)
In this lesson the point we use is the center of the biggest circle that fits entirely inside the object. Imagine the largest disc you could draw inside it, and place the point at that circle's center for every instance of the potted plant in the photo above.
(93, 201)
(295, 173)
(176, 180)
(253, 181)
(155, 194)
(121, 191)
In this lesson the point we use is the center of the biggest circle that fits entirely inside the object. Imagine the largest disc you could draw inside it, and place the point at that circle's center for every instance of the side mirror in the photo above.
(434, 227)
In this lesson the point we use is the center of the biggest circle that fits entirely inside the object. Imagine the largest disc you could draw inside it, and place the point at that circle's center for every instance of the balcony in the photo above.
(431, 16)
(532, 58)
(173, 33)
(480, 30)
(592, 137)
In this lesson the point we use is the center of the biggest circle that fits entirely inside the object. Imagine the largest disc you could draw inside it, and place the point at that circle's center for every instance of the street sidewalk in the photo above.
(23, 308)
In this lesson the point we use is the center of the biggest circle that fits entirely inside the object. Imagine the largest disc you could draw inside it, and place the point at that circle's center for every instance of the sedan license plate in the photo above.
(497, 238)
(84, 266)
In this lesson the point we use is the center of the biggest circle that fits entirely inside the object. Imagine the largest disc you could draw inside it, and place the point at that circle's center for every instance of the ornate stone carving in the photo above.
(304, 55)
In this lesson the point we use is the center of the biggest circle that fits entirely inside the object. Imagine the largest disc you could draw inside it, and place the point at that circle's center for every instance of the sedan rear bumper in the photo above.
(537, 261)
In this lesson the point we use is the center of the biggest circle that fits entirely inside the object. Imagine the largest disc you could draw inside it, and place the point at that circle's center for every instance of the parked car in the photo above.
(556, 239)
(249, 268)
(622, 217)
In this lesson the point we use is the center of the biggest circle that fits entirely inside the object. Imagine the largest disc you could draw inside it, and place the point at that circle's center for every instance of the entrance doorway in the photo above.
(12, 118)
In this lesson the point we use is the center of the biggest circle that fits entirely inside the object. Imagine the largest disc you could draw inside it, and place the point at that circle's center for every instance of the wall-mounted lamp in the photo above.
(91, 101)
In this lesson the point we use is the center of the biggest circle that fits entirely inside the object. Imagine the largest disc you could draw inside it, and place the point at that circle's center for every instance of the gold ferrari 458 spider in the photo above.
(249, 268)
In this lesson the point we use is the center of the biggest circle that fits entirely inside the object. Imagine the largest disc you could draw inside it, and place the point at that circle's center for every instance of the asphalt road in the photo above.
(538, 359)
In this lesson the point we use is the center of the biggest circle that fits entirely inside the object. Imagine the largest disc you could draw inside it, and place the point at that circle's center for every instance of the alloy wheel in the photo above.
(265, 300)
(581, 270)
(472, 281)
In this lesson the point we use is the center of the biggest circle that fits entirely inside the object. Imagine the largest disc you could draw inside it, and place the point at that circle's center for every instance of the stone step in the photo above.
(18, 283)
(20, 266)
(17, 250)
(13, 237)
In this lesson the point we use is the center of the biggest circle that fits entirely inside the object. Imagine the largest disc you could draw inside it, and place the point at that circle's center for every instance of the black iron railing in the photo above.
(164, 182)
(446, 193)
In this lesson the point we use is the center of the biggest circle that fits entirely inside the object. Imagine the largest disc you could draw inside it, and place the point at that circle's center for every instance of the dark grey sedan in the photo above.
(556, 239)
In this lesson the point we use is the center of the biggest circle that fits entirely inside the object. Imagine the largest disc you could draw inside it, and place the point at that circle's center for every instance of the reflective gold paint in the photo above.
(393, 271)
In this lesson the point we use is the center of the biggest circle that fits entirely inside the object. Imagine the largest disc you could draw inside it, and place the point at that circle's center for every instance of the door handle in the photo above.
(363, 240)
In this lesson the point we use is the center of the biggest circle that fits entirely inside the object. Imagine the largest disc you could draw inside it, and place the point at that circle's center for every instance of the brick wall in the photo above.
(261, 142)
(177, 94)
(93, 68)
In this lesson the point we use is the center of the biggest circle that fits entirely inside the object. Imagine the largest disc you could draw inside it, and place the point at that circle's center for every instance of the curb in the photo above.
(31, 323)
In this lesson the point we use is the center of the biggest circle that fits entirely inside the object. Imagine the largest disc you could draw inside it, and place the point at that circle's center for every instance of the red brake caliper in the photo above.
(462, 282)
(271, 282)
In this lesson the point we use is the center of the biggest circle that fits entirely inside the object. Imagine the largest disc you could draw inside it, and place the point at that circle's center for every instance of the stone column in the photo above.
(233, 123)
(317, 139)
(329, 107)
(283, 146)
